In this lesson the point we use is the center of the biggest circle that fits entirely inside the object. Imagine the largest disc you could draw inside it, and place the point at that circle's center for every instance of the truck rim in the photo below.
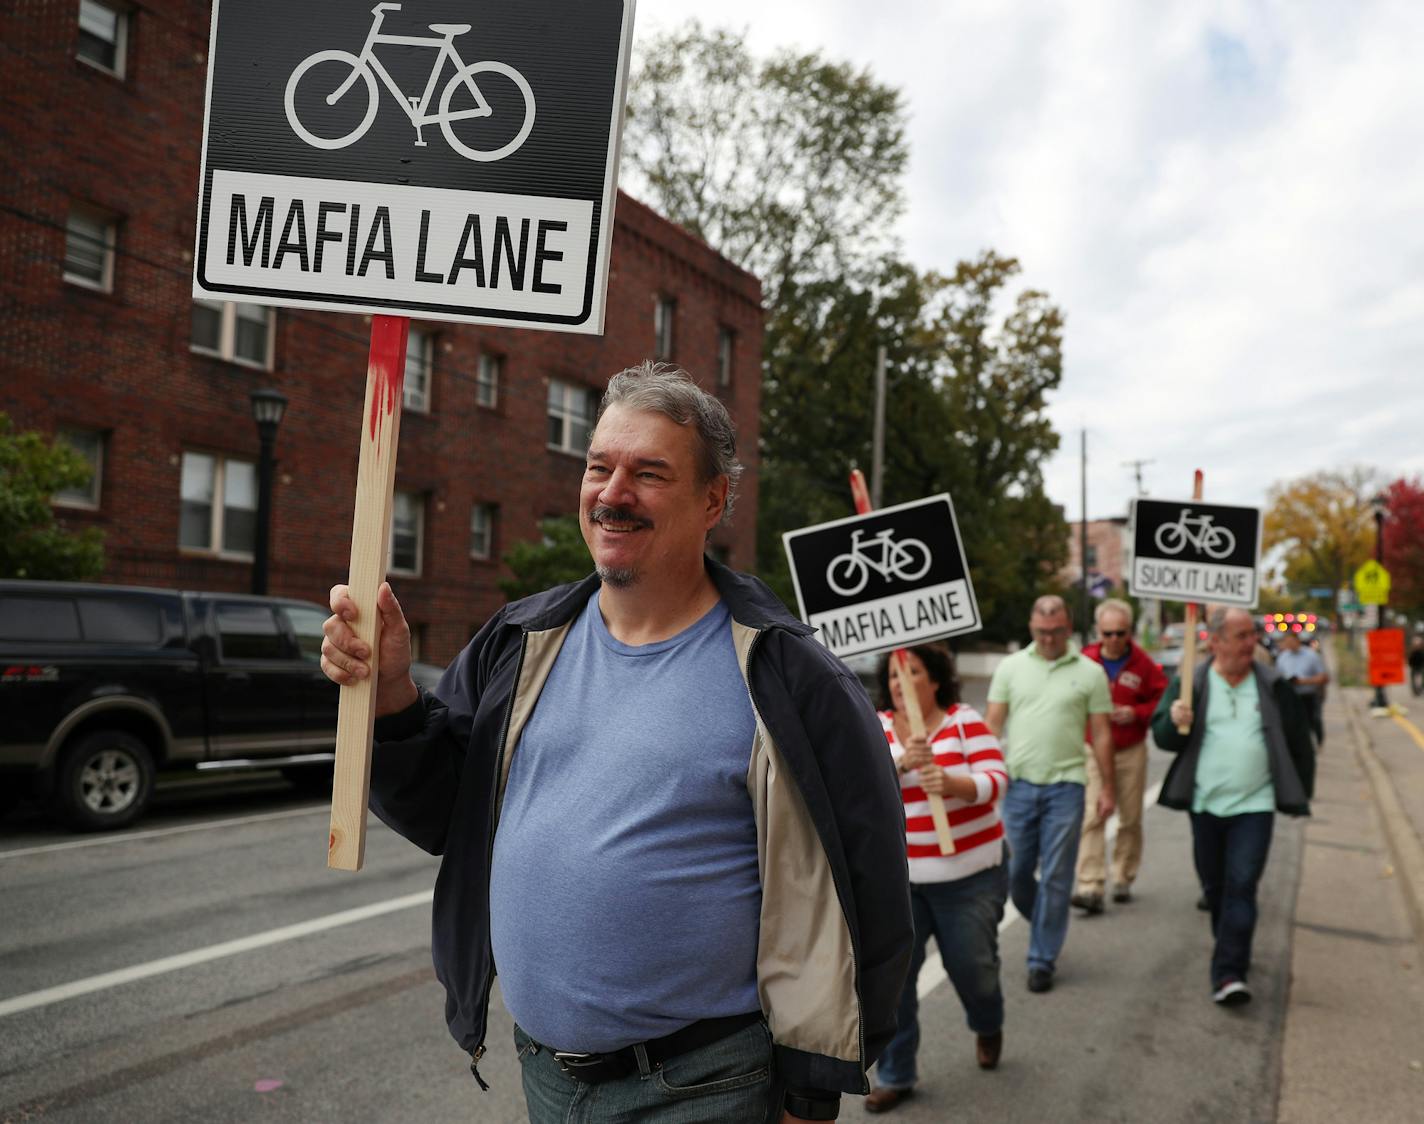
(109, 782)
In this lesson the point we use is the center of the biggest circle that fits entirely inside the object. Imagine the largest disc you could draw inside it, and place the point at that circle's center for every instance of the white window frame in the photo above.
(94, 493)
(121, 37)
(391, 567)
(110, 227)
(563, 410)
(420, 355)
(491, 514)
(664, 319)
(227, 335)
(726, 349)
(491, 370)
(216, 548)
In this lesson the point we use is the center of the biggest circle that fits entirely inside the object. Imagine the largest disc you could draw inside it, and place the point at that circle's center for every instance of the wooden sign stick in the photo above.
(1189, 642)
(370, 548)
(900, 664)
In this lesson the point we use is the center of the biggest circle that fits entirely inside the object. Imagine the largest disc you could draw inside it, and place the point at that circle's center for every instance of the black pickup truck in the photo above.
(102, 685)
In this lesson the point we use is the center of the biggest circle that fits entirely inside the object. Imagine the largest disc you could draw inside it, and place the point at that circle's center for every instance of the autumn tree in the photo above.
(33, 543)
(1324, 524)
(1404, 545)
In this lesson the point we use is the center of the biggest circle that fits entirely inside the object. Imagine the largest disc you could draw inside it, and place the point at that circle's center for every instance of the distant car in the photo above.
(426, 675)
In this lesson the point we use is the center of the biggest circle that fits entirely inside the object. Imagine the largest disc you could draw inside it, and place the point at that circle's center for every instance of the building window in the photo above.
(487, 381)
(419, 350)
(102, 34)
(482, 517)
(417, 640)
(407, 532)
(664, 313)
(570, 416)
(89, 445)
(219, 505)
(89, 239)
(229, 330)
(726, 339)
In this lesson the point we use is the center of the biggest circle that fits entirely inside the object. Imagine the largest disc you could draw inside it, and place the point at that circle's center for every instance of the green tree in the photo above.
(561, 556)
(1324, 524)
(33, 543)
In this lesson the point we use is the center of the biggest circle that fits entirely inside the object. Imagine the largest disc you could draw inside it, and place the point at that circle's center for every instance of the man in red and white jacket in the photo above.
(1136, 686)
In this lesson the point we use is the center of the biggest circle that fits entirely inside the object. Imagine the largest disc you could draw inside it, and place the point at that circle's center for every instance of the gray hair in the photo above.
(1216, 623)
(663, 388)
(1113, 605)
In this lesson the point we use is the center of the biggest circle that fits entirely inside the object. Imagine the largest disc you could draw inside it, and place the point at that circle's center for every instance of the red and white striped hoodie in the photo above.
(978, 832)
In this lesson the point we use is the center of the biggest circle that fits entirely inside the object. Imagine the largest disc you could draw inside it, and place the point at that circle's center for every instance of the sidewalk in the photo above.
(1354, 1033)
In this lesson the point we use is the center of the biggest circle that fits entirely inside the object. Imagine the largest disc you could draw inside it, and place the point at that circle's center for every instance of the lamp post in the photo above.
(268, 406)
(1379, 504)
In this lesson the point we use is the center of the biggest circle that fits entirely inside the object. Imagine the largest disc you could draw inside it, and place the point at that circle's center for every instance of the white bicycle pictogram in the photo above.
(1196, 531)
(368, 67)
(907, 560)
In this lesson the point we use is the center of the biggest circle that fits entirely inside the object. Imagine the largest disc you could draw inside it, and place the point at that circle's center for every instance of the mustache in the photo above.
(603, 513)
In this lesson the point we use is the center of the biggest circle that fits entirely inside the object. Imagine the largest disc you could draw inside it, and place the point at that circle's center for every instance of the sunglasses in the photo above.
(1108, 635)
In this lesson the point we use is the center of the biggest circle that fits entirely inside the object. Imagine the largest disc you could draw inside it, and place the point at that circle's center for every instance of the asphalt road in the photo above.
(288, 1006)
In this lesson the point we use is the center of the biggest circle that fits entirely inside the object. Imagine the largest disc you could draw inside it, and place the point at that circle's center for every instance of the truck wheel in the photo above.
(105, 781)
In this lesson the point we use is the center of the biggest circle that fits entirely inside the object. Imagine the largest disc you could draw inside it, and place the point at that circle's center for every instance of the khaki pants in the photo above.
(1130, 769)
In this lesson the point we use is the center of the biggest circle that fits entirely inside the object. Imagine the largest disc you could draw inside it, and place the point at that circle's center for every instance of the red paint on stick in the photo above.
(387, 365)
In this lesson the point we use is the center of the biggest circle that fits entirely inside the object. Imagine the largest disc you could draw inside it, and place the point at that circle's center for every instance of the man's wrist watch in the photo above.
(812, 1108)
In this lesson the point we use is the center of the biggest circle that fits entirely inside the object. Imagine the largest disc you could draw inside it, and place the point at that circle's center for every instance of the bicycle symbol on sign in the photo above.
(368, 67)
(1196, 531)
(907, 560)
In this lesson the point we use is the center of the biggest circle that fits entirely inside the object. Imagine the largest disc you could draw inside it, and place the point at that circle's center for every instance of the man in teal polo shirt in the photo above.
(1039, 702)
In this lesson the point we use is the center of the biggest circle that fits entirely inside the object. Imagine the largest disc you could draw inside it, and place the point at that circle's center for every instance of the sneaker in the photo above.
(883, 1099)
(987, 1048)
(1232, 993)
(1089, 903)
(1122, 894)
(1040, 980)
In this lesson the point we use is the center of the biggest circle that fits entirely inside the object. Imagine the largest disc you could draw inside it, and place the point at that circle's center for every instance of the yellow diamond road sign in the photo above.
(1372, 584)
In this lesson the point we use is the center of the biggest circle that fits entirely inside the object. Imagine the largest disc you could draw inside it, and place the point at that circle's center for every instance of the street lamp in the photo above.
(1379, 504)
(268, 406)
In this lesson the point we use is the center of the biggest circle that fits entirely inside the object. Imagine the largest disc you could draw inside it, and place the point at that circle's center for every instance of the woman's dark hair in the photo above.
(939, 665)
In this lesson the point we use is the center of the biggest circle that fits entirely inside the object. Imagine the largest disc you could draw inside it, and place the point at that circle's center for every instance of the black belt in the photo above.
(620, 1063)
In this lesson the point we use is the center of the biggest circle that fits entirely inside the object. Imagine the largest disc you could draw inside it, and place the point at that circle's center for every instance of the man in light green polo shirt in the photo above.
(1040, 700)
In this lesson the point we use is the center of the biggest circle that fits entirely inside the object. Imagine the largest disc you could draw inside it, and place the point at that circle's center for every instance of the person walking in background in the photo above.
(958, 899)
(1247, 755)
(1304, 669)
(1135, 684)
(1040, 699)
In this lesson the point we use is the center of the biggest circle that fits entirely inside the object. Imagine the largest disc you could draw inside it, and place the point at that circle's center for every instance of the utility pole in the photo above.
(1136, 467)
(1151, 606)
(877, 447)
(1083, 536)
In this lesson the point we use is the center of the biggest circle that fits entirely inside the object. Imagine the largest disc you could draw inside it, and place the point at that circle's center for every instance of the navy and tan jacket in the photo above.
(835, 933)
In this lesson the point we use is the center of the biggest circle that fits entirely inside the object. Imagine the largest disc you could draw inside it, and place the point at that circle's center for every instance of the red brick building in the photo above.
(101, 341)
(1108, 551)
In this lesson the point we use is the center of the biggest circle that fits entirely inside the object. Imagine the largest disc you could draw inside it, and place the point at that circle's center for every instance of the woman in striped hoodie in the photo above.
(958, 899)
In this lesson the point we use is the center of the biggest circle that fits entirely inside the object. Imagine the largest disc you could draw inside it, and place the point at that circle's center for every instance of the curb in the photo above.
(1404, 844)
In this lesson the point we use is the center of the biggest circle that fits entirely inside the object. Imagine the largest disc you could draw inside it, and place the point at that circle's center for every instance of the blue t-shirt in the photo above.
(625, 898)
(1112, 667)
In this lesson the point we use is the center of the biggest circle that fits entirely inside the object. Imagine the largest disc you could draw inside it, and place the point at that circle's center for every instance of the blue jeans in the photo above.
(730, 1079)
(1230, 854)
(1044, 822)
(963, 917)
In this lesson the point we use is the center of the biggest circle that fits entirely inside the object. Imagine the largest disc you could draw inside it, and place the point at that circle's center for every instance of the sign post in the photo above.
(447, 160)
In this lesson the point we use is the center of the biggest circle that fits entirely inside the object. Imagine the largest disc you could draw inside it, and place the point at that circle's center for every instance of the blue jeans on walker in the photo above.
(963, 917)
(1044, 822)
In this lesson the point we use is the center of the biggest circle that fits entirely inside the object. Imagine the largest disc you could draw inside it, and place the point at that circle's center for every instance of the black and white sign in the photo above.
(887, 579)
(444, 159)
(1185, 550)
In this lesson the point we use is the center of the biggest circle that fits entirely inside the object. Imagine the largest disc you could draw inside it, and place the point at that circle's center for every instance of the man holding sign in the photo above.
(1045, 695)
(665, 811)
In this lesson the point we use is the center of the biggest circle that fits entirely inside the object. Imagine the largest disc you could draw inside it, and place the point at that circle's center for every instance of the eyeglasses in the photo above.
(1112, 634)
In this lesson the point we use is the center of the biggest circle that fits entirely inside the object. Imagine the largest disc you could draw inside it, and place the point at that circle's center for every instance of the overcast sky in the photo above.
(1225, 198)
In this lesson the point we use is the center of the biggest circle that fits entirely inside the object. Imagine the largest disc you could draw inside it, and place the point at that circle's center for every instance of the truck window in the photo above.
(306, 624)
(38, 618)
(114, 620)
(249, 632)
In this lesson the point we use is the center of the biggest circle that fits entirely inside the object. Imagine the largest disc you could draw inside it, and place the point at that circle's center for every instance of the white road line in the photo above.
(101, 840)
(932, 973)
(203, 955)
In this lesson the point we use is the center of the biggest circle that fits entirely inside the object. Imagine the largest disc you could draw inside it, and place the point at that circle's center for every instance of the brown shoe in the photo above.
(883, 1099)
(987, 1048)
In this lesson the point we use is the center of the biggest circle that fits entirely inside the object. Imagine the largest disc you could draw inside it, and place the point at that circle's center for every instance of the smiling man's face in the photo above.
(643, 506)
